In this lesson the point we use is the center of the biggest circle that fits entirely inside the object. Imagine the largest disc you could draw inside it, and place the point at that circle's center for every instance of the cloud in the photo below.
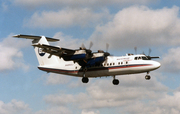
(170, 103)
(4, 7)
(89, 112)
(11, 56)
(54, 79)
(167, 104)
(135, 26)
(140, 26)
(14, 107)
(133, 95)
(68, 41)
(78, 3)
(67, 18)
(170, 62)
(55, 110)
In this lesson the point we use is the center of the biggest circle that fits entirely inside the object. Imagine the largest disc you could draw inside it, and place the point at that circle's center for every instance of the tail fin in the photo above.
(41, 56)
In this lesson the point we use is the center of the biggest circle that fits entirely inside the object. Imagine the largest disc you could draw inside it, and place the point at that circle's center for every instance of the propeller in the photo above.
(135, 49)
(149, 51)
(90, 45)
(83, 46)
(107, 53)
(150, 57)
(107, 47)
(88, 51)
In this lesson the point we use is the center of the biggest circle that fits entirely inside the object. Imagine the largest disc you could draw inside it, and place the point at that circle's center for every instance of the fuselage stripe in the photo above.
(93, 69)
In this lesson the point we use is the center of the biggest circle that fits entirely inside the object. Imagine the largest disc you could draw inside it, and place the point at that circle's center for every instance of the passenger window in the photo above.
(135, 58)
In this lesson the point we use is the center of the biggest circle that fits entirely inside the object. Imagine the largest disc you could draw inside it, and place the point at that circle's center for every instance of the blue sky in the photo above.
(124, 24)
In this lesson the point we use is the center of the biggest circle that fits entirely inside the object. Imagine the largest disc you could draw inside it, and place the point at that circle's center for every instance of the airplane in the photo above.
(86, 64)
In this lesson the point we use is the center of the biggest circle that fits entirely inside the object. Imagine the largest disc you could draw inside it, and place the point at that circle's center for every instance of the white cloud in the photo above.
(55, 110)
(4, 6)
(14, 107)
(68, 41)
(170, 61)
(89, 112)
(140, 26)
(78, 3)
(54, 79)
(66, 18)
(102, 94)
(61, 100)
(11, 56)
(134, 95)
(135, 26)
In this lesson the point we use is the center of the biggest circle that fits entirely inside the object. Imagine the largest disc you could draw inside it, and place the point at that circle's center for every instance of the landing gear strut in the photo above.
(85, 79)
(147, 77)
(115, 81)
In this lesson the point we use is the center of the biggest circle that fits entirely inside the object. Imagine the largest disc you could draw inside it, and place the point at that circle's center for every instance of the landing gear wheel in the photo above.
(115, 81)
(85, 80)
(147, 77)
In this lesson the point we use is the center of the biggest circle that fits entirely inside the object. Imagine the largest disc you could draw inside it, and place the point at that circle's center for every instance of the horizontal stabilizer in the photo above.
(35, 37)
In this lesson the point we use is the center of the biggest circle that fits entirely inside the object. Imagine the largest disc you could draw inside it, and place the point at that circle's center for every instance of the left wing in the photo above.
(54, 50)
(35, 37)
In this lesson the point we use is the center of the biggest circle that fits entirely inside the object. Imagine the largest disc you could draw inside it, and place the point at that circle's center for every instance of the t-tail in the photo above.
(43, 58)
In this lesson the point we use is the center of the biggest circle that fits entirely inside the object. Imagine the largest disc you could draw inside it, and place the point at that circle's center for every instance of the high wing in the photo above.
(35, 37)
(84, 57)
(54, 50)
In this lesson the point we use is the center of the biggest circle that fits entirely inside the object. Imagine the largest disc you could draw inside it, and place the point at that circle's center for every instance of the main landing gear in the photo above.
(115, 81)
(85, 79)
(147, 77)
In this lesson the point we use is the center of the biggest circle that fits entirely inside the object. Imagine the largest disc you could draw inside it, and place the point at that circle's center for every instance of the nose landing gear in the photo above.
(115, 81)
(147, 77)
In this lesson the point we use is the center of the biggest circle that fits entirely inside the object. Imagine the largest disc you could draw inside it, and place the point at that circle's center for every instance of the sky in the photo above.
(123, 24)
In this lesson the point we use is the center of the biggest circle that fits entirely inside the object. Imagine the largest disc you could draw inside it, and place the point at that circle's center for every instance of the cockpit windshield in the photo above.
(141, 58)
(144, 58)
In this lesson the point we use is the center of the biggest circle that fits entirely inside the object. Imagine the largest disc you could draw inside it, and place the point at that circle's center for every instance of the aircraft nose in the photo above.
(156, 64)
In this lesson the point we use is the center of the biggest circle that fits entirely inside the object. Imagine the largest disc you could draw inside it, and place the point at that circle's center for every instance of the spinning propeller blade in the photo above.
(135, 48)
(150, 57)
(90, 45)
(107, 47)
(82, 46)
(149, 51)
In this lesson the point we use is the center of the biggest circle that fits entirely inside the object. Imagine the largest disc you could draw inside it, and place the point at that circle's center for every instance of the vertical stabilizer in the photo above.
(43, 57)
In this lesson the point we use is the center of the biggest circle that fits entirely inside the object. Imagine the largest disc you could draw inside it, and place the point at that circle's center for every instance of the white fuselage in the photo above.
(112, 66)
(80, 62)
